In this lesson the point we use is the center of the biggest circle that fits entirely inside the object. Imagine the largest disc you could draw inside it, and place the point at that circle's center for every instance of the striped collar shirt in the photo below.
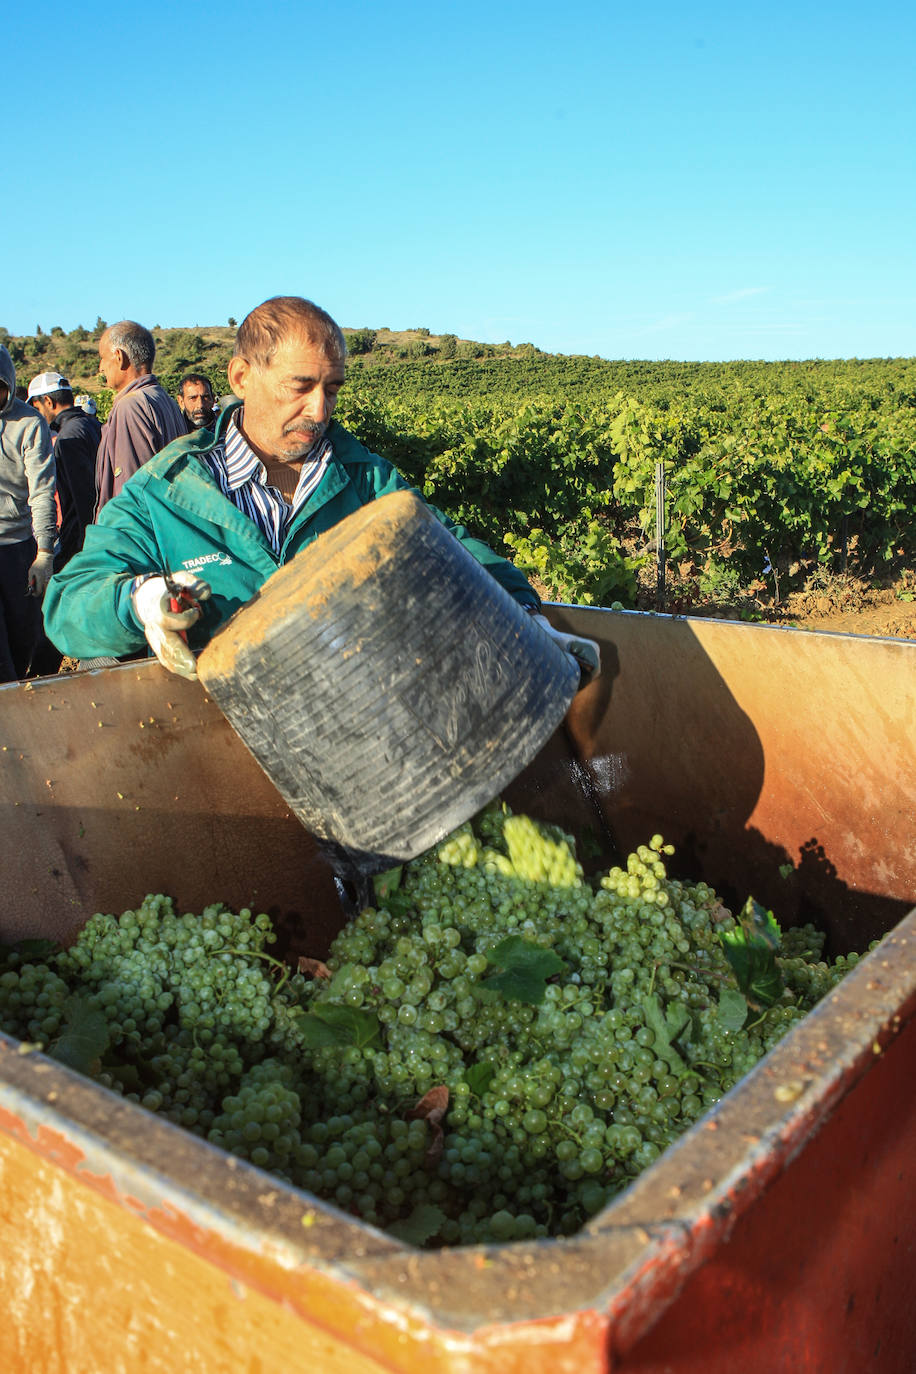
(242, 478)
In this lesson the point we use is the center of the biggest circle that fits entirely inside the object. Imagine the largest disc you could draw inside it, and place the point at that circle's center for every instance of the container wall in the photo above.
(751, 749)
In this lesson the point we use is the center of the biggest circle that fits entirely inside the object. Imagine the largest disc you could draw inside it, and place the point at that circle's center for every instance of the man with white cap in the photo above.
(28, 524)
(78, 437)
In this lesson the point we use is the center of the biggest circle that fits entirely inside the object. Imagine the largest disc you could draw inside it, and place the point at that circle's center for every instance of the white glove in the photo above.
(40, 574)
(162, 626)
(585, 651)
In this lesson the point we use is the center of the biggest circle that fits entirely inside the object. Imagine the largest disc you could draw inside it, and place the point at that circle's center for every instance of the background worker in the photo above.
(28, 524)
(222, 512)
(143, 418)
(75, 450)
(196, 402)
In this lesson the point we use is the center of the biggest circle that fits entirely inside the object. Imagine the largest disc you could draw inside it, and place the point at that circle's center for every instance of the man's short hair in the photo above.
(134, 340)
(62, 397)
(264, 329)
(194, 377)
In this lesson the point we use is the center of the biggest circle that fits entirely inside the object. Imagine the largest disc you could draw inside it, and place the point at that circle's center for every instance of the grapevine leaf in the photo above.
(732, 1009)
(760, 924)
(84, 1038)
(667, 1027)
(751, 951)
(386, 883)
(522, 970)
(398, 903)
(423, 1224)
(431, 1108)
(128, 1075)
(313, 968)
(479, 1077)
(330, 1024)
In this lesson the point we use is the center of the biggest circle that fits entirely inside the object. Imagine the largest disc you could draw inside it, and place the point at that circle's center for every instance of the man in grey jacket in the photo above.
(28, 524)
(143, 419)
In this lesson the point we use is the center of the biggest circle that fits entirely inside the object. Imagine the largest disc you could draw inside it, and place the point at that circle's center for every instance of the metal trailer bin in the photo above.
(777, 1234)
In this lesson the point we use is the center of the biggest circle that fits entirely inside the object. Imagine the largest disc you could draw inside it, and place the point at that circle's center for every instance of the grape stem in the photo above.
(259, 954)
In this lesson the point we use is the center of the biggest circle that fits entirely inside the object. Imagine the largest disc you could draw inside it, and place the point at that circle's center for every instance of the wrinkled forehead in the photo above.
(301, 355)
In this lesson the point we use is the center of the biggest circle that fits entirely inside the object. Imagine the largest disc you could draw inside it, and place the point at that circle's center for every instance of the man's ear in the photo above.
(237, 372)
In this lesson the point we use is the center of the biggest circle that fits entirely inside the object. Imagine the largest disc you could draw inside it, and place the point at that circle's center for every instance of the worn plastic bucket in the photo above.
(387, 684)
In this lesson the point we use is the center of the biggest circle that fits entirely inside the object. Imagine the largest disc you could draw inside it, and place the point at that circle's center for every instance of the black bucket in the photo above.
(387, 684)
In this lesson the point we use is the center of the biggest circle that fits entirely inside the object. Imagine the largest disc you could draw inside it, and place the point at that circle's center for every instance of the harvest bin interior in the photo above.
(778, 1233)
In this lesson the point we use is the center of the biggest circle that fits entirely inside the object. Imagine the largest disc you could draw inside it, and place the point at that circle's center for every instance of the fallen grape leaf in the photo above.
(386, 883)
(751, 951)
(424, 1222)
(314, 968)
(732, 1009)
(479, 1077)
(760, 924)
(667, 1025)
(329, 1024)
(84, 1038)
(522, 970)
(431, 1108)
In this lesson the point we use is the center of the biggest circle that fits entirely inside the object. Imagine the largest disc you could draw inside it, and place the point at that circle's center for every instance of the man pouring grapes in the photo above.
(198, 529)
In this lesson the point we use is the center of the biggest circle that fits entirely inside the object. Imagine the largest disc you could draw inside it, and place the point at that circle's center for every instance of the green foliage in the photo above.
(84, 1037)
(333, 1024)
(582, 563)
(751, 951)
(360, 341)
(768, 466)
(522, 968)
(775, 472)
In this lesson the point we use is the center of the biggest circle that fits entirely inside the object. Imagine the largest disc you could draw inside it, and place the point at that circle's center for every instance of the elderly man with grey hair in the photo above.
(143, 419)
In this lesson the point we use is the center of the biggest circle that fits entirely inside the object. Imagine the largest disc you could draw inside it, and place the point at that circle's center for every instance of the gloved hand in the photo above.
(162, 626)
(584, 651)
(40, 574)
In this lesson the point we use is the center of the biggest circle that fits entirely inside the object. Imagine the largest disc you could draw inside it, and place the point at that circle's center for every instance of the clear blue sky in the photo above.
(703, 181)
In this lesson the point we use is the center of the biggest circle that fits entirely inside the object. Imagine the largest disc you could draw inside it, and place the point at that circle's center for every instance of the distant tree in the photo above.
(56, 331)
(79, 334)
(232, 322)
(418, 348)
(38, 329)
(4, 336)
(423, 333)
(448, 346)
(100, 327)
(361, 341)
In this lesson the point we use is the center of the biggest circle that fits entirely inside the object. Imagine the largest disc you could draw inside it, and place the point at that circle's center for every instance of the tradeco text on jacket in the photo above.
(172, 515)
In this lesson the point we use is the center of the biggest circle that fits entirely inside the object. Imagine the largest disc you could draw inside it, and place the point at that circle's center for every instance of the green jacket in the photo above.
(171, 514)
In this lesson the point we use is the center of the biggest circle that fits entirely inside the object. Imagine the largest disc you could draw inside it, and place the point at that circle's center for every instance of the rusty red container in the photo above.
(778, 1234)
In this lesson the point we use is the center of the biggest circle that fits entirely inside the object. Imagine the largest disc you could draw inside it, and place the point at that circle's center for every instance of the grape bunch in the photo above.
(499, 1046)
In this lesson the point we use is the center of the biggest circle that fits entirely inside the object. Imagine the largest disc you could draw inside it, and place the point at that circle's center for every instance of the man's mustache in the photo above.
(304, 427)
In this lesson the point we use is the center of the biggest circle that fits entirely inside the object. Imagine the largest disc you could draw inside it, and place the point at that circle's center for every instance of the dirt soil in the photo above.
(879, 612)
(840, 604)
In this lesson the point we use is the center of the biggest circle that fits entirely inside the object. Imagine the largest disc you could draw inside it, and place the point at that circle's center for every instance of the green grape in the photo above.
(572, 1096)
